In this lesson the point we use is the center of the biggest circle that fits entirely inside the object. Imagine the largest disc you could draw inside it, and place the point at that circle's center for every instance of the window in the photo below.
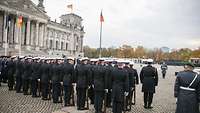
(51, 44)
(66, 46)
(56, 45)
(61, 45)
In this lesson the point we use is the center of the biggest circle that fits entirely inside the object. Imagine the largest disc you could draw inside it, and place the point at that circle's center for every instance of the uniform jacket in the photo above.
(120, 84)
(185, 97)
(149, 78)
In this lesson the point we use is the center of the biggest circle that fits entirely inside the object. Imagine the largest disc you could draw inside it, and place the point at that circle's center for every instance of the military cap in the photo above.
(84, 58)
(70, 58)
(93, 60)
(131, 63)
(101, 59)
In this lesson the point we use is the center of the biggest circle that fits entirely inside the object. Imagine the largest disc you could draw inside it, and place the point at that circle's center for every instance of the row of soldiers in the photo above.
(106, 84)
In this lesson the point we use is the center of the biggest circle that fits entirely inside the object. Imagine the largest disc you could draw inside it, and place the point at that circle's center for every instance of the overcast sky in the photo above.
(150, 23)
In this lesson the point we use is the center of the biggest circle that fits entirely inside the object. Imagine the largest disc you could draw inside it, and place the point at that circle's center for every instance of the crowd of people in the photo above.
(98, 82)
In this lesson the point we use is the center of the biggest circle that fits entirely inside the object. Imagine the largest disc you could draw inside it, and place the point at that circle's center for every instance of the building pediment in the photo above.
(26, 6)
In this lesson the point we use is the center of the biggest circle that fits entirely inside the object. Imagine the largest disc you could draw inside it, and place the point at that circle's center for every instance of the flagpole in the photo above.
(100, 49)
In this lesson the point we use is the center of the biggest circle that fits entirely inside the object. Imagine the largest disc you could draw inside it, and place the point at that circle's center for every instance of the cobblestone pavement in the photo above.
(164, 102)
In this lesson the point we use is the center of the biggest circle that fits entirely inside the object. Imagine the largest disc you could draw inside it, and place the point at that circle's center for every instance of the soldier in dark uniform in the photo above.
(109, 69)
(149, 80)
(93, 64)
(133, 81)
(82, 81)
(120, 87)
(4, 70)
(45, 78)
(100, 86)
(19, 72)
(68, 79)
(164, 69)
(1, 67)
(187, 90)
(56, 81)
(35, 76)
(11, 72)
(26, 75)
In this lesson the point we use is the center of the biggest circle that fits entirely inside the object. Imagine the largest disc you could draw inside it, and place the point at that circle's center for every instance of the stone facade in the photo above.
(38, 35)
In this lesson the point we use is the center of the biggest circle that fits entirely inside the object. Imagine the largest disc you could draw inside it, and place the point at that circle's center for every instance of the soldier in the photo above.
(26, 75)
(35, 76)
(45, 79)
(11, 71)
(164, 69)
(133, 81)
(91, 87)
(149, 79)
(120, 86)
(19, 72)
(4, 71)
(100, 86)
(1, 67)
(56, 81)
(82, 81)
(68, 79)
(187, 90)
(109, 69)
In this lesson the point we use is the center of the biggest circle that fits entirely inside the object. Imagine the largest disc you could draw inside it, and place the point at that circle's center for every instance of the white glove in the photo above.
(106, 90)
(126, 94)
(132, 89)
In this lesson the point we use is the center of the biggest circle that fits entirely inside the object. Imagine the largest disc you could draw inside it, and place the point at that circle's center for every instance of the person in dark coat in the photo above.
(4, 72)
(120, 87)
(26, 75)
(100, 86)
(35, 76)
(1, 67)
(93, 64)
(164, 69)
(149, 80)
(68, 79)
(56, 81)
(109, 69)
(19, 72)
(133, 80)
(82, 81)
(187, 90)
(11, 72)
(45, 79)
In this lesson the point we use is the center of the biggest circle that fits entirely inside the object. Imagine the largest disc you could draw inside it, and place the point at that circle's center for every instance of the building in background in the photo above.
(38, 35)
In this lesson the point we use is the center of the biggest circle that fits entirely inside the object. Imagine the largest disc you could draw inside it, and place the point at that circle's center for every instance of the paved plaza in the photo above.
(164, 101)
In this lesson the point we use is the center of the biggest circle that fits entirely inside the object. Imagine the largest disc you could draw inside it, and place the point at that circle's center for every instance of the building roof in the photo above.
(26, 6)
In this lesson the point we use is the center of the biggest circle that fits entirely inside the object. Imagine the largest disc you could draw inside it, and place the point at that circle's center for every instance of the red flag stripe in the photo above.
(101, 18)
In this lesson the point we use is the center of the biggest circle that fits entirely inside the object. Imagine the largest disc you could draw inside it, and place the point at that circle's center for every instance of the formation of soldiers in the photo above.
(102, 83)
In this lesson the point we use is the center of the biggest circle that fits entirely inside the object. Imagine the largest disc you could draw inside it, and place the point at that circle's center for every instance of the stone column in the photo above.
(45, 36)
(41, 36)
(28, 32)
(16, 33)
(37, 36)
(5, 29)
(32, 34)
(59, 47)
(11, 31)
(54, 40)
(81, 44)
(5, 34)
